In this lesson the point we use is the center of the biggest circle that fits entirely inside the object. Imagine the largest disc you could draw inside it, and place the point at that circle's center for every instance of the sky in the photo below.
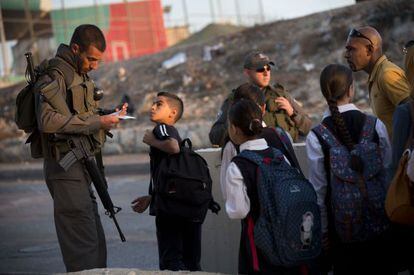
(202, 12)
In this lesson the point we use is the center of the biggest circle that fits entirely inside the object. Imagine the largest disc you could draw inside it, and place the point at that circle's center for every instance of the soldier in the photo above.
(66, 105)
(281, 109)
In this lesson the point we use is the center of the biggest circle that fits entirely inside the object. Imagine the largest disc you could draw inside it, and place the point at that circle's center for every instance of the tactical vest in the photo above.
(275, 117)
(79, 101)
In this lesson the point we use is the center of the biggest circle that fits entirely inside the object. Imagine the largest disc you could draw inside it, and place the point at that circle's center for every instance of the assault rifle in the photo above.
(81, 150)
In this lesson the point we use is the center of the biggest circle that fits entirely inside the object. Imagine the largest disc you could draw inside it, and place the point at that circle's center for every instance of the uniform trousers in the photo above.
(78, 225)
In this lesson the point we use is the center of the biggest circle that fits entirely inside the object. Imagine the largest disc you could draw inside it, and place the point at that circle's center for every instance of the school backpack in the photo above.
(356, 199)
(399, 203)
(288, 229)
(184, 185)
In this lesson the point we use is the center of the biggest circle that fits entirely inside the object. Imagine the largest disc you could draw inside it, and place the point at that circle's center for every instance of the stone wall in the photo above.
(126, 139)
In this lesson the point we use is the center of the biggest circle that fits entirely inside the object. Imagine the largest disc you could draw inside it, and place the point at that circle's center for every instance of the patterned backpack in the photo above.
(356, 199)
(288, 230)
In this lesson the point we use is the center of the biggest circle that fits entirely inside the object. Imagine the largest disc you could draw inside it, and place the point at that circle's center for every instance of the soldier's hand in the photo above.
(123, 110)
(109, 121)
(140, 204)
(148, 137)
(284, 104)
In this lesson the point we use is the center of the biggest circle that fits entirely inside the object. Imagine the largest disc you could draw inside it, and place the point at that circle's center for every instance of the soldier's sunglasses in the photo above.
(261, 70)
(356, 33)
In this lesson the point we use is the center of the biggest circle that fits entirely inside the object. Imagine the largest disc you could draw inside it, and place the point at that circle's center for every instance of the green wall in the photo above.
(74, 17)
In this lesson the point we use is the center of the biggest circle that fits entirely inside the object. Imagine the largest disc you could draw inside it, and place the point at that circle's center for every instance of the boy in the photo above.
(179, 240)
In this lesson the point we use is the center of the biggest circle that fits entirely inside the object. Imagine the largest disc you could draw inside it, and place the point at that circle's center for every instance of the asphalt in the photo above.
(115, 165)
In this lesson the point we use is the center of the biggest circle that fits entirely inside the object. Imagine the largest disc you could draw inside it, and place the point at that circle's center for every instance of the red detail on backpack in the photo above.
(267, 160)
(303, 270)
(250, 229)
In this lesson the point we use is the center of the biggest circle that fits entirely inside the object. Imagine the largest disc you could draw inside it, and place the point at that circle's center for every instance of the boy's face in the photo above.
(161, 112)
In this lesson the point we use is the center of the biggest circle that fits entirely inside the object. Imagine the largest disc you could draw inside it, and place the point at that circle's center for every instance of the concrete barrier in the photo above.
(221, 236)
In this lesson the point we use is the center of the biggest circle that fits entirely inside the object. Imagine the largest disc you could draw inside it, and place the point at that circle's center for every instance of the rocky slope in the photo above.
(300, 48)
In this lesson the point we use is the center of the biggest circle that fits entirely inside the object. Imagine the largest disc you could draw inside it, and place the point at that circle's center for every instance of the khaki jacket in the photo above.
(388, 87)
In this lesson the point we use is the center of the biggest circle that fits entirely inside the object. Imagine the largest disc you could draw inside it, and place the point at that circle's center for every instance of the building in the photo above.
(131, 29)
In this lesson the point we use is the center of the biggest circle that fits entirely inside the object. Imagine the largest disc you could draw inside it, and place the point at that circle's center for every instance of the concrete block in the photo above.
(221, 235)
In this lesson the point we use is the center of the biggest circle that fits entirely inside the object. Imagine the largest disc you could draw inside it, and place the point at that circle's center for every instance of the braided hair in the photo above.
(335, 82)
(246, 115)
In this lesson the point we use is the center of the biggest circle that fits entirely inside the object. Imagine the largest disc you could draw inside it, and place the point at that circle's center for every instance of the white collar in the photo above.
(254, 144)
(342, 109)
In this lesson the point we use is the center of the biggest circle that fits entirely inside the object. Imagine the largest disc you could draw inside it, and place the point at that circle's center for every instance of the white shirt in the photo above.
(229, 152)
(317, 173)
(237, 200)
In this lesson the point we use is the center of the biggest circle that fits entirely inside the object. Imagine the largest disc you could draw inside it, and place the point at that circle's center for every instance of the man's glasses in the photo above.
(356, 33)
(261, 70)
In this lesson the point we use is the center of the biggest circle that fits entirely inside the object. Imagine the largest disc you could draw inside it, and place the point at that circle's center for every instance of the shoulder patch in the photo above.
(46, 87)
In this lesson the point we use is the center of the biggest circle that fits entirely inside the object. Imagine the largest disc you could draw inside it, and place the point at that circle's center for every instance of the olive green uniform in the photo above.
(78, 226)
(297, 125)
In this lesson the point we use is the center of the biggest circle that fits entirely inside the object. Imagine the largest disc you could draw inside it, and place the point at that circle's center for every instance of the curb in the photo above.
(110, 170)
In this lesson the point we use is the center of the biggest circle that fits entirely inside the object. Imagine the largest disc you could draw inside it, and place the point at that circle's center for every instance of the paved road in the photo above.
(28, 240)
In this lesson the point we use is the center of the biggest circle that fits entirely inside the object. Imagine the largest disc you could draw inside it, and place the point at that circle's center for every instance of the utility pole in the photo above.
(261, 12)
(33, 41)
(220, 11)
(213, 16)
(130, 31)
(65, 23)
(3, 46)
(97, 16)
(236, 2)
(185, 11)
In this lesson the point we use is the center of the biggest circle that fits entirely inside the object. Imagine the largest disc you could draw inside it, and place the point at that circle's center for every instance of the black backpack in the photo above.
(25, 116)
(183, 185)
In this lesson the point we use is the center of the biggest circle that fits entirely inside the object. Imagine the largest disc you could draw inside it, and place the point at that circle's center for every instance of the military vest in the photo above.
(275, 117)
(79, 101)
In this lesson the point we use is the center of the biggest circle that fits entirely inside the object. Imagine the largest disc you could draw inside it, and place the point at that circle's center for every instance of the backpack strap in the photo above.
(64, 69)
(328, 198)
(368, 130)
(410, 141)
(290, 153)
(188, 142)
(322, 132)
(258, 159)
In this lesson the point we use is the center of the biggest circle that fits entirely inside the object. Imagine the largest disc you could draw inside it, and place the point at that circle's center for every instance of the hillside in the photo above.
(209, 33)
(300, 48)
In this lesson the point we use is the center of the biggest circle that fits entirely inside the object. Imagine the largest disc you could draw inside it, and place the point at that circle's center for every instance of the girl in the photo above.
(275, 137)
(345, 122)
(244, 128)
